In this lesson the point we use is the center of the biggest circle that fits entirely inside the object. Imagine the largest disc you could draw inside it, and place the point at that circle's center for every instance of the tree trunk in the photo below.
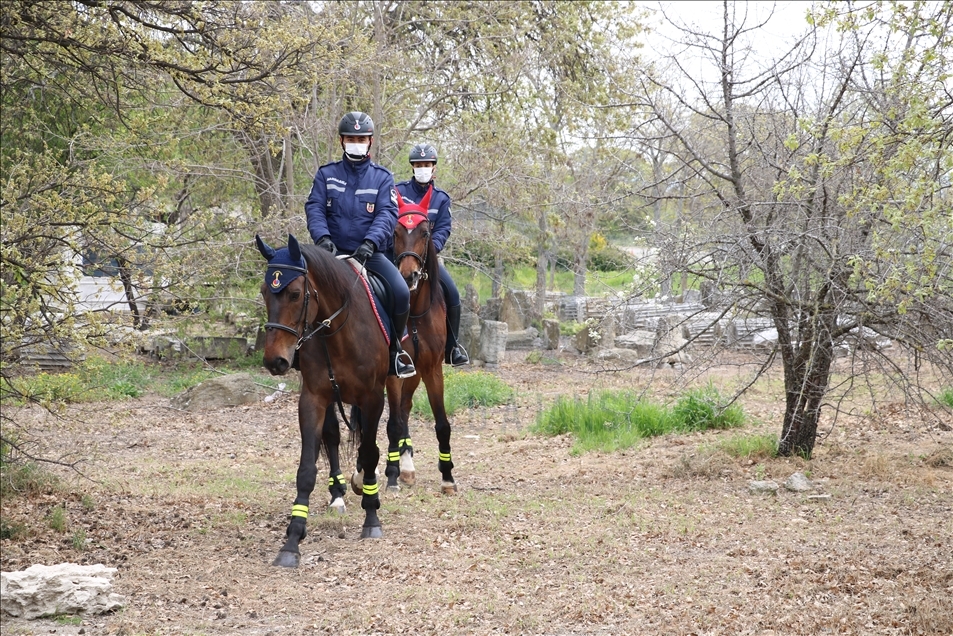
(125, 276)
(497, 275)
(579, 267)
(807, 369)
(541, 265)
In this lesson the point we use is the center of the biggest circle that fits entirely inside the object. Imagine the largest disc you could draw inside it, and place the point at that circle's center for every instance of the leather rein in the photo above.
(420, 259)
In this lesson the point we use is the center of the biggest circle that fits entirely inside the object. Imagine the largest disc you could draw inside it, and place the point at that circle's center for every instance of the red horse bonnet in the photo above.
(410, 214)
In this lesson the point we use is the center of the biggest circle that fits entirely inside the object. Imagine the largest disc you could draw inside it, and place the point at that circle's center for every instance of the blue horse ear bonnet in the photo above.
(283, 266)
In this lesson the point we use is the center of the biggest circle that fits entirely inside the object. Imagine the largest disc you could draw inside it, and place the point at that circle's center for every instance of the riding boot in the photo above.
(403, 365)
(455, 355)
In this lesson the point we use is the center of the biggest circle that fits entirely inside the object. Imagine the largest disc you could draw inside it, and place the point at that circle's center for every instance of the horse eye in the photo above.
(295, 295)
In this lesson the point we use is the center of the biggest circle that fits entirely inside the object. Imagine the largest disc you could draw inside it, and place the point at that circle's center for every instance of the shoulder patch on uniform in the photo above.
(393, 196)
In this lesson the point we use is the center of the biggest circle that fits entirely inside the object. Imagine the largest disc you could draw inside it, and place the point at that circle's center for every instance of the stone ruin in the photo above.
(632, 331)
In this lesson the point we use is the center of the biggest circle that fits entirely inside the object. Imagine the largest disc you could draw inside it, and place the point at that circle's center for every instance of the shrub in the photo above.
(609, 259)
(57, 518)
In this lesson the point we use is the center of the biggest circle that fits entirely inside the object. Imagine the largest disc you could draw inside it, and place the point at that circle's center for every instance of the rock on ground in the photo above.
(51, 590)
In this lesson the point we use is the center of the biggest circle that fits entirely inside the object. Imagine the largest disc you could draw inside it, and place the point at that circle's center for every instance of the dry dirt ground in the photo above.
(664, 539)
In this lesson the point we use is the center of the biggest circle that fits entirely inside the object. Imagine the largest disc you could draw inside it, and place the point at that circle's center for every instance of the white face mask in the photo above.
(356, 150)
(423, 175)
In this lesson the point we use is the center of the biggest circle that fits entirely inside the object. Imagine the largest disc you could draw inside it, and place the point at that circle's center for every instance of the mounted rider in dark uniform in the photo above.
(352, 208)
(423, 159)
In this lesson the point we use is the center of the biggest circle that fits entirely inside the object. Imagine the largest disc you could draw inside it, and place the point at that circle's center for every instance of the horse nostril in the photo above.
(278, 366)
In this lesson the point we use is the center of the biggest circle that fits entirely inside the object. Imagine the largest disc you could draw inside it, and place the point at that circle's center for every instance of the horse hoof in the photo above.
(287, 559)
(448, 488)
(337, 506)
(393, 487)
(357, 482)
(372, 532)
(408, 477)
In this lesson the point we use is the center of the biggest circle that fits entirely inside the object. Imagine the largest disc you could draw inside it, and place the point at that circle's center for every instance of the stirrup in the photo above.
(404, 365)
(459, 356)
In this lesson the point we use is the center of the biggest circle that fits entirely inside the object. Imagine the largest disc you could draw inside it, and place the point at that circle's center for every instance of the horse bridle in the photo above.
(420, 259)
(303, 334)
(423, 269)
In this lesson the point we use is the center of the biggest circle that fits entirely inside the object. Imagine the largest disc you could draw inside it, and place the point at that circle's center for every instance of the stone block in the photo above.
(550, 334)
(493, 341)
(522, 339)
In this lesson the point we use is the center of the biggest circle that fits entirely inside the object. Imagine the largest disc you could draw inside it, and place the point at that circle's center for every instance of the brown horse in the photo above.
(318, 308)
(427, 329)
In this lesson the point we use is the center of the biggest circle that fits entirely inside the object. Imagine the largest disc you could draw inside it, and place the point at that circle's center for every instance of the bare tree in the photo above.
(810, 215)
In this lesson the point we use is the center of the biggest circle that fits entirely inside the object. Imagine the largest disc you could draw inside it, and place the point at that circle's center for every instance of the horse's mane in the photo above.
(433, 273)
(325, 266)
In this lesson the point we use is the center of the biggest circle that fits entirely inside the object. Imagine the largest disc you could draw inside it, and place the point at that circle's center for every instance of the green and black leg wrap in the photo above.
(337, 486)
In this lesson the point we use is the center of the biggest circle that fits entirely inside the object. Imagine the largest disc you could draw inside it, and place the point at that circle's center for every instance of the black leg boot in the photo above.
(456, 355)
(403, 365)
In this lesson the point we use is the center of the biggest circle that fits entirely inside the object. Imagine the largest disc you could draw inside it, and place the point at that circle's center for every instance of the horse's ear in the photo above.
(400, 199)
(294, 250)
(266, 251)
(425, 202)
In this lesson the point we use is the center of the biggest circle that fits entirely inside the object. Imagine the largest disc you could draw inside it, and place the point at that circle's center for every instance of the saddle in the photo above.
(380, 296)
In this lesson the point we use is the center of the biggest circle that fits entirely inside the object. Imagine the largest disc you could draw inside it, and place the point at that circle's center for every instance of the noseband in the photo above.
(303, 334)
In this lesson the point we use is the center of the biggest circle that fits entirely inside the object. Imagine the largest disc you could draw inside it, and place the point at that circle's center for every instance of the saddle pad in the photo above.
(383, 319)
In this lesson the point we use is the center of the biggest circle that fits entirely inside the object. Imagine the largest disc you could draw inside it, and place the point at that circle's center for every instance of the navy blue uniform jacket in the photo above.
(351, 202)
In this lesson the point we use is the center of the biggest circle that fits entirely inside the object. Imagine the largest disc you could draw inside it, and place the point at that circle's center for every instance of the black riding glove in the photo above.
(365, 251)
(326, 243)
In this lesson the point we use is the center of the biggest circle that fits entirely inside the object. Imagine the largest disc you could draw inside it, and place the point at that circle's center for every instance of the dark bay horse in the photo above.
(416, 258)
(318, 308)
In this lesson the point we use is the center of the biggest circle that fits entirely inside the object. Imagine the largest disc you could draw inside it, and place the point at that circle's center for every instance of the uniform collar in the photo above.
(420, 190)
(358, 168)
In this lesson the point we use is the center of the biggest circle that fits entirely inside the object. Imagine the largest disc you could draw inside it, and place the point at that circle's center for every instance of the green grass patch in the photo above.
(700, 409)
(615, 420)
(946, 398)
(79, 540)
(68, 619)
(754, 446)
(99, 378)
(57, 519)
(12, 530)
(25, 477)
(464, 390)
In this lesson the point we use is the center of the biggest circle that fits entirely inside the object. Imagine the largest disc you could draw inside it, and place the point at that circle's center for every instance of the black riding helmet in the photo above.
(356, 124)
(423, 152)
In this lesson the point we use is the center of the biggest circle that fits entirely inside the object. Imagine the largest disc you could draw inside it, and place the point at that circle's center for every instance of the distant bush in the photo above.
(609, 259)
